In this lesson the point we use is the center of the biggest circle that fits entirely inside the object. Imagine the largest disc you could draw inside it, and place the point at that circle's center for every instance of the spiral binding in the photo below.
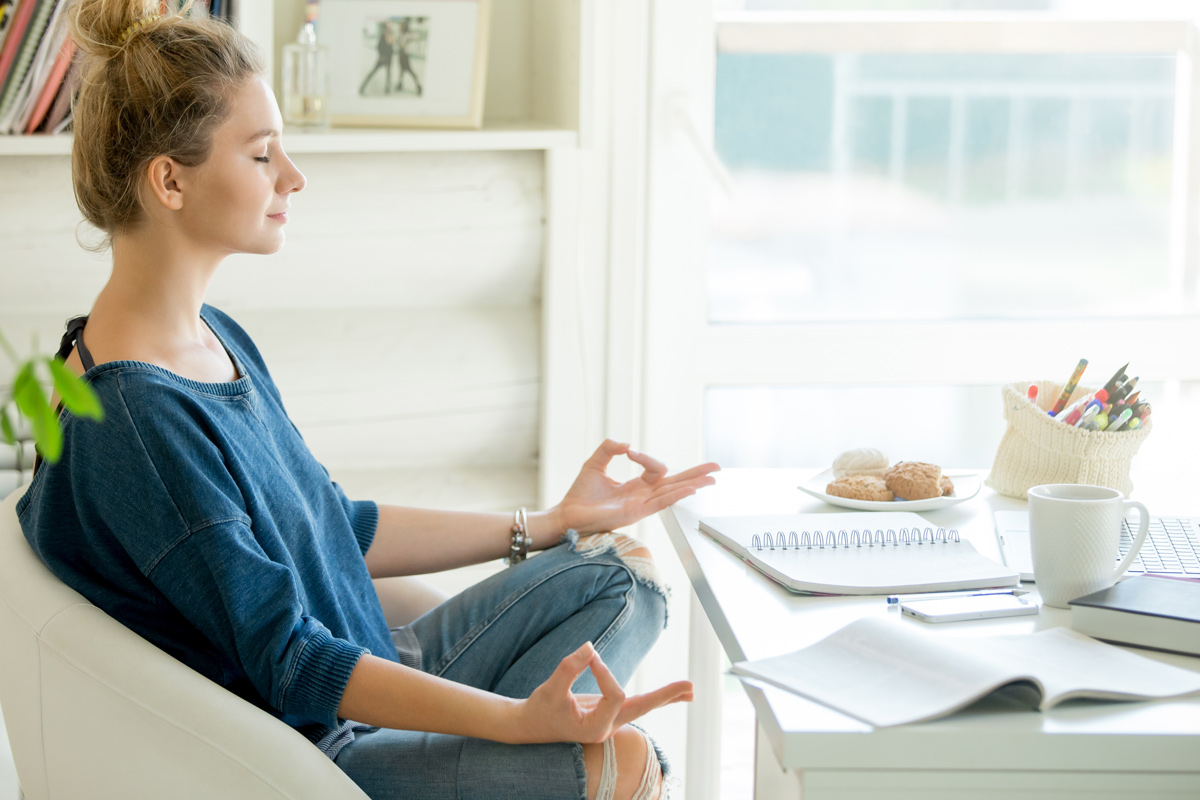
(855, 538)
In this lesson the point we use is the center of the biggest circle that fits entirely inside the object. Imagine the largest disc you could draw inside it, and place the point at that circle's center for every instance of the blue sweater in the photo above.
(196, 515)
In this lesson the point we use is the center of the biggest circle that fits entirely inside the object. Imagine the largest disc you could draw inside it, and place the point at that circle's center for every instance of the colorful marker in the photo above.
(1101, 421)
(1079, 405)
(1070, 387)
(1086, 417)
(1134, 424)
(1120, 421)
(1032, 392)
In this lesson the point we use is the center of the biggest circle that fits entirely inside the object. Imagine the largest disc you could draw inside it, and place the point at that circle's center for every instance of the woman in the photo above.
(196, 515)
(384, 46)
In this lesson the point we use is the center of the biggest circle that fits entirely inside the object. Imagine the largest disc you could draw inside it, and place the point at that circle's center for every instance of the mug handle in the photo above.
(1143, 529)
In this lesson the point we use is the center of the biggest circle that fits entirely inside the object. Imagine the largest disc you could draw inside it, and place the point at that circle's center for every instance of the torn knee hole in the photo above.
(633, 552)
(649, 787)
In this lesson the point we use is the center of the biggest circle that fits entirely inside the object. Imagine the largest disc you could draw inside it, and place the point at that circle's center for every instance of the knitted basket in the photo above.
(1038, 449)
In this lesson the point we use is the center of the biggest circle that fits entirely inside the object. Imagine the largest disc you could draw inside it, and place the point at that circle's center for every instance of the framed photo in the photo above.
(406, 63)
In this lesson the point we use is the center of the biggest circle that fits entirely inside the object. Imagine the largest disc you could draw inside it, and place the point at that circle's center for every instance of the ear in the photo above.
(165, 177)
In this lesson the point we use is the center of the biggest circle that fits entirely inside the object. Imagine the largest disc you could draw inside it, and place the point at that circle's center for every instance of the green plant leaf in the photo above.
(6, 426)
(77, 396)
(33, 403)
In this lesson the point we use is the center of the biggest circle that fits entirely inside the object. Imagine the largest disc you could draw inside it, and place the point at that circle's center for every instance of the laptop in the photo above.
(1172, 546)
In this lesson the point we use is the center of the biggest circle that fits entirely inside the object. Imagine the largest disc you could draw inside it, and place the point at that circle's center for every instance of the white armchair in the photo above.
(95, 711)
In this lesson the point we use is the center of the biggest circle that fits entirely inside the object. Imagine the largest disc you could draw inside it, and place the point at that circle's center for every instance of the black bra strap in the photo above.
(74, 338)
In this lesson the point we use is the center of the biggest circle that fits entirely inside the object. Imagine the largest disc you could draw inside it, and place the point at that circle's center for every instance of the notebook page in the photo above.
(873, 568)
(943, 566)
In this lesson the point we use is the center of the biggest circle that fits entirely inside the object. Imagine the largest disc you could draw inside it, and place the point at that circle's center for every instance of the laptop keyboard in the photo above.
(1172, 546)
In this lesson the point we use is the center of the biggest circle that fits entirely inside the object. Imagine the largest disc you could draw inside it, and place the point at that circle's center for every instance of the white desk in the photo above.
(1077, 750)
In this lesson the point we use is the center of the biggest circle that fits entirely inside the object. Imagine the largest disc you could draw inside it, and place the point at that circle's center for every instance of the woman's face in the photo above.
(237, 200)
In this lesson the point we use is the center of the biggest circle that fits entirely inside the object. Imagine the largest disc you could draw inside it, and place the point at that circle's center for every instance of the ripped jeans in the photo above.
(506, 635)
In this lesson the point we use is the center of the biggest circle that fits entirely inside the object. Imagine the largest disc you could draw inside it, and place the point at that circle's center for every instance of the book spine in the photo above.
(44, 60)
(33, 37)
(54, 84)
(12, 41)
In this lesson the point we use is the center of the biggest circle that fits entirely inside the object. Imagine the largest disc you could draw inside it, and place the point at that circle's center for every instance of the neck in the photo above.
(157, 288)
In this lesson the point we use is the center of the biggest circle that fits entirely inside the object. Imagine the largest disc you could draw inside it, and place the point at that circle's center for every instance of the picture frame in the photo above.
(406, 63)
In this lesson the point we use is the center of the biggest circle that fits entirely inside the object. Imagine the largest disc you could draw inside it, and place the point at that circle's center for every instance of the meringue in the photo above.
(860, 461)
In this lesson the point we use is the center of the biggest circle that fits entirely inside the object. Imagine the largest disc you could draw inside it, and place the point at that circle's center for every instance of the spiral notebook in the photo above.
(864, 553)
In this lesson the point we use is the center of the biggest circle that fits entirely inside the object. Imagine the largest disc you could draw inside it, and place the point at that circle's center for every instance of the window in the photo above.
(926, 205)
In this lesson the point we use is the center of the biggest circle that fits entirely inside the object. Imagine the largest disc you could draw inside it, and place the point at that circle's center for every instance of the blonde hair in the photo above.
(153, 83)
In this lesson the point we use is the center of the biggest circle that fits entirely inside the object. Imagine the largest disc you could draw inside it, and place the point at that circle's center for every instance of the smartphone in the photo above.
(953, 609)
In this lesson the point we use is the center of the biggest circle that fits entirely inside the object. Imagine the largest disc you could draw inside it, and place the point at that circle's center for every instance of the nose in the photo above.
(291, 179)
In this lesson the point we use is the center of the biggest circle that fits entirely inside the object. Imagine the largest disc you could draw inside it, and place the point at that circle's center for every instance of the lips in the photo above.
(280, 217)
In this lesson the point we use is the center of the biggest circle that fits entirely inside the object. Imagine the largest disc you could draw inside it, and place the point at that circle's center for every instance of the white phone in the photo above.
(953, 609)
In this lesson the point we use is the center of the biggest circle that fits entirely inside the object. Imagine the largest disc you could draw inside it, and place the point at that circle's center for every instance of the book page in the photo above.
(887, 673)
(1069, 664)
(883, 673)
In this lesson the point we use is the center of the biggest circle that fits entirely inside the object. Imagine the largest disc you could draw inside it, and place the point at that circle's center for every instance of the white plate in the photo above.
(965, 487)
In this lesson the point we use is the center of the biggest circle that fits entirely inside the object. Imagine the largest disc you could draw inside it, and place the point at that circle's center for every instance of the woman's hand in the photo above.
(595, 502)
(553, 714)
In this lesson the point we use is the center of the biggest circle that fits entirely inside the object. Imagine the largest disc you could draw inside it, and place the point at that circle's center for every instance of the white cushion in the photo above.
(95, 711)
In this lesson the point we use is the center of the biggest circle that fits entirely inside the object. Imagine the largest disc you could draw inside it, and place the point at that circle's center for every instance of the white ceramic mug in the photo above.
(1075, 533)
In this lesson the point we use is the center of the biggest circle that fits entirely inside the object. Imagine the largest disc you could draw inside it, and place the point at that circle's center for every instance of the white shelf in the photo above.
(493, 136)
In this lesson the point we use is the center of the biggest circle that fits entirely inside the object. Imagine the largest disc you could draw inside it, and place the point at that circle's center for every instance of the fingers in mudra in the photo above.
(558, 715)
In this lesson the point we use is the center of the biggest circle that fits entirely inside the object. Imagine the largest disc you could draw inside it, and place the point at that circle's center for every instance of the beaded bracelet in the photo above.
(518, 549)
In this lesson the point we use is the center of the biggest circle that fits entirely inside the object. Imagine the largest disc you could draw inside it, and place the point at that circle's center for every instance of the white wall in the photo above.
(401, 320)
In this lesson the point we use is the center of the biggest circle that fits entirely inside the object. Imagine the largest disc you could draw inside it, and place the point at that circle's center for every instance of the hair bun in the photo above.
(102, 27)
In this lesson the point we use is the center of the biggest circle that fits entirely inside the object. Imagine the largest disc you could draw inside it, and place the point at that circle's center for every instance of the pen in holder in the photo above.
(1038, 449)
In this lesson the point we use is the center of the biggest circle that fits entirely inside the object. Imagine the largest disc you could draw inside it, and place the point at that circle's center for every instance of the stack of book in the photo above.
(1152, 611)
(38, 68)
(35, 59)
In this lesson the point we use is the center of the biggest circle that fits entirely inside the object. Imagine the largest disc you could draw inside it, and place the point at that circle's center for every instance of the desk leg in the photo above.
(772, 781)
(703, 773)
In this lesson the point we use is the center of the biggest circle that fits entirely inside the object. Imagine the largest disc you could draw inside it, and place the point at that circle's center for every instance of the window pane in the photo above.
(943, 187)
(954, 426)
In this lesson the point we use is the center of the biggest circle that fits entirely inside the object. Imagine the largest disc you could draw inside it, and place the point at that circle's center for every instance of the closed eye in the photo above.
(263, 159)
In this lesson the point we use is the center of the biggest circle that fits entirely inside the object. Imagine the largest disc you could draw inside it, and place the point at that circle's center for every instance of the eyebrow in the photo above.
(263, 134)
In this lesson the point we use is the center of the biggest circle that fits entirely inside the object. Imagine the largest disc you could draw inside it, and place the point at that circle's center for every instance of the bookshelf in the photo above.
(538, 60)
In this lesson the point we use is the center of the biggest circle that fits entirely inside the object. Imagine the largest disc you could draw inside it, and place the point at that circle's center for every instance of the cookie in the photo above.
(947, 486)
(861, 461)
(914, 480)
(860, 487)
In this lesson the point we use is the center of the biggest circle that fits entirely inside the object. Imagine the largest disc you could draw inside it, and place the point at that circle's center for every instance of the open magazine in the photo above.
(885, 672)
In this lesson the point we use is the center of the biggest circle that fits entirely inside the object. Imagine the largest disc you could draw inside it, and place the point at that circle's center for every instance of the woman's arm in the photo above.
(391, 695)
(416, 541)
